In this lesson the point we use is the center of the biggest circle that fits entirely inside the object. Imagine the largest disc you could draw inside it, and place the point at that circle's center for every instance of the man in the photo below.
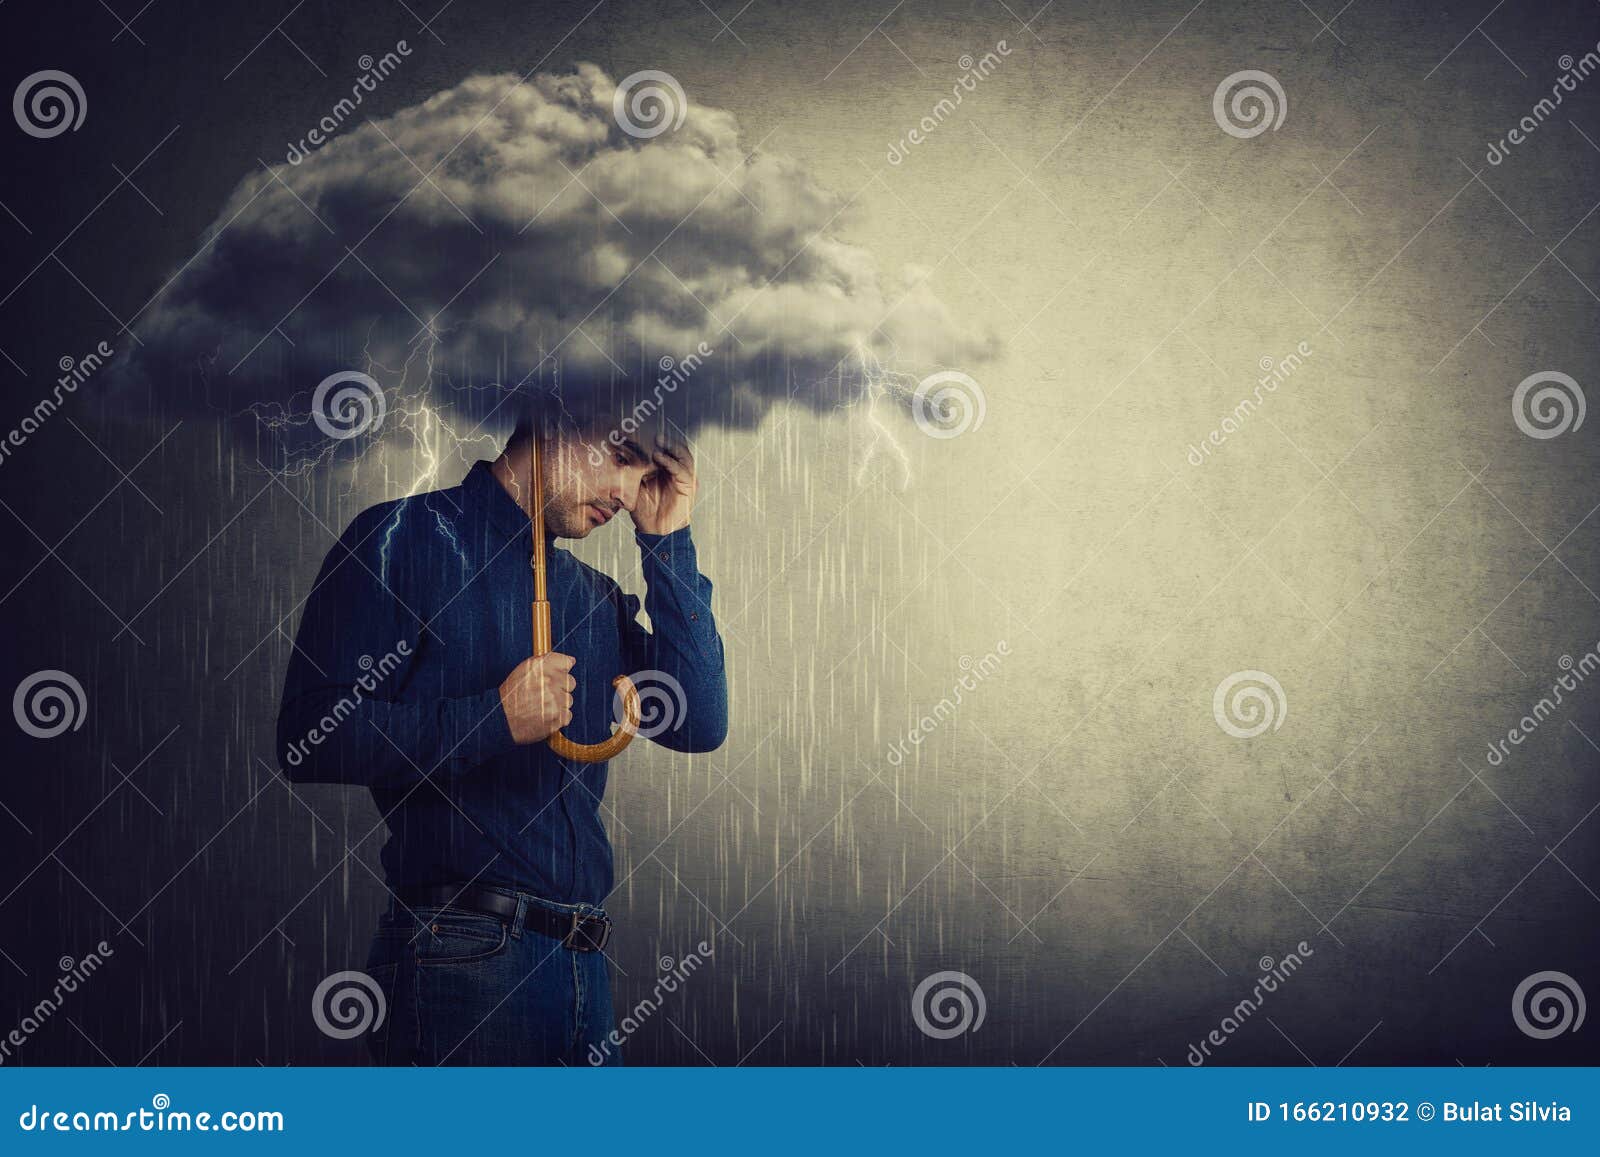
(411, 676)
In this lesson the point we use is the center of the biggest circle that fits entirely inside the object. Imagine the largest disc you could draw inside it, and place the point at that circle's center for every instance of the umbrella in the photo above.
(560, 744)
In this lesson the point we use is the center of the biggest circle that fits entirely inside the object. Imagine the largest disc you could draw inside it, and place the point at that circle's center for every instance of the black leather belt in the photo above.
(578, 932)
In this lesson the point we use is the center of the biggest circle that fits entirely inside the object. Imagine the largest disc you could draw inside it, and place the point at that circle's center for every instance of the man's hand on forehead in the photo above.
(666, 494)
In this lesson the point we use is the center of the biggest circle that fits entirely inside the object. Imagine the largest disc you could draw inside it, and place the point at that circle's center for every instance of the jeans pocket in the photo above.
(448, 936)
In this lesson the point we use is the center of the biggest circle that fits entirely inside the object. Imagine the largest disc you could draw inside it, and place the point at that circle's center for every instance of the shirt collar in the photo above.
(484, 493)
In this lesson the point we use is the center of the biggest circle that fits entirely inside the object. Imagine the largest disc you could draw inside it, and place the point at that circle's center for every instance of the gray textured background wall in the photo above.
(1082, 837)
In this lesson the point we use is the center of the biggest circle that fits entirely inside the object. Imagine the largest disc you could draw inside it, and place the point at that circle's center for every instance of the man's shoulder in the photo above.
(403, 518)
(429, 504)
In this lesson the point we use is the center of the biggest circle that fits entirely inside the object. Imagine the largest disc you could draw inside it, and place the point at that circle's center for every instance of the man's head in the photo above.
(591, 474)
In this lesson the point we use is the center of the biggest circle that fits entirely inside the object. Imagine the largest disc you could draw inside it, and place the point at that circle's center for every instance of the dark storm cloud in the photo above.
(545, 249)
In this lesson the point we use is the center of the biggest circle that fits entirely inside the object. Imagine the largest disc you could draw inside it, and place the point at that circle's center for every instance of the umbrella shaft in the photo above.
(541, 629)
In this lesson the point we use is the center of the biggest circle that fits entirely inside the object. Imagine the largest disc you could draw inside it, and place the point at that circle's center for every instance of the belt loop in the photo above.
(520, 916)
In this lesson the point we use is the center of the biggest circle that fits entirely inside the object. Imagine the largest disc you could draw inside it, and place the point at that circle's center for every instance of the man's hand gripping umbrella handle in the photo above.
(621, 737)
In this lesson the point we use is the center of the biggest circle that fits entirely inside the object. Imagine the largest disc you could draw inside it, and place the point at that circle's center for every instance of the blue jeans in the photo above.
(466, 988)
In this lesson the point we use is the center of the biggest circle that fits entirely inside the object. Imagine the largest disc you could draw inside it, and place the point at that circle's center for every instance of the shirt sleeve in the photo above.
(341, 719)
(678, 665)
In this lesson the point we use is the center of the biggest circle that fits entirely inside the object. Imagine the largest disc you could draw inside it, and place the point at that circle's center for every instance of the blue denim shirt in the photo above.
(420, 611)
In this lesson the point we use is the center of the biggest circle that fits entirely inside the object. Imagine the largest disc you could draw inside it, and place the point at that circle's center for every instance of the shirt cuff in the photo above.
(675, 549)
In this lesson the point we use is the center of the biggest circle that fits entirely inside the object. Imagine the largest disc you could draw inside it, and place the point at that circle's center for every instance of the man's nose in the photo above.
(626, 489)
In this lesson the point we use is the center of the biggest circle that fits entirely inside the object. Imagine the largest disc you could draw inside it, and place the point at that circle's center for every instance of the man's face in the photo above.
(590, 478)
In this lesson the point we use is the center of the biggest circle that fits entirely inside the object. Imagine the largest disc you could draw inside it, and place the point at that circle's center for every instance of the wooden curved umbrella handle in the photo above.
(620, 738)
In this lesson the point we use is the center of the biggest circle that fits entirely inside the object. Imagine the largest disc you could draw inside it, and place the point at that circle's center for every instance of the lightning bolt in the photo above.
(434, 442)
(879, 383)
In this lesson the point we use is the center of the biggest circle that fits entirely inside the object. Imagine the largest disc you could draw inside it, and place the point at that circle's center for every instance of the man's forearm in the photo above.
(684, 643)
(325, 736)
